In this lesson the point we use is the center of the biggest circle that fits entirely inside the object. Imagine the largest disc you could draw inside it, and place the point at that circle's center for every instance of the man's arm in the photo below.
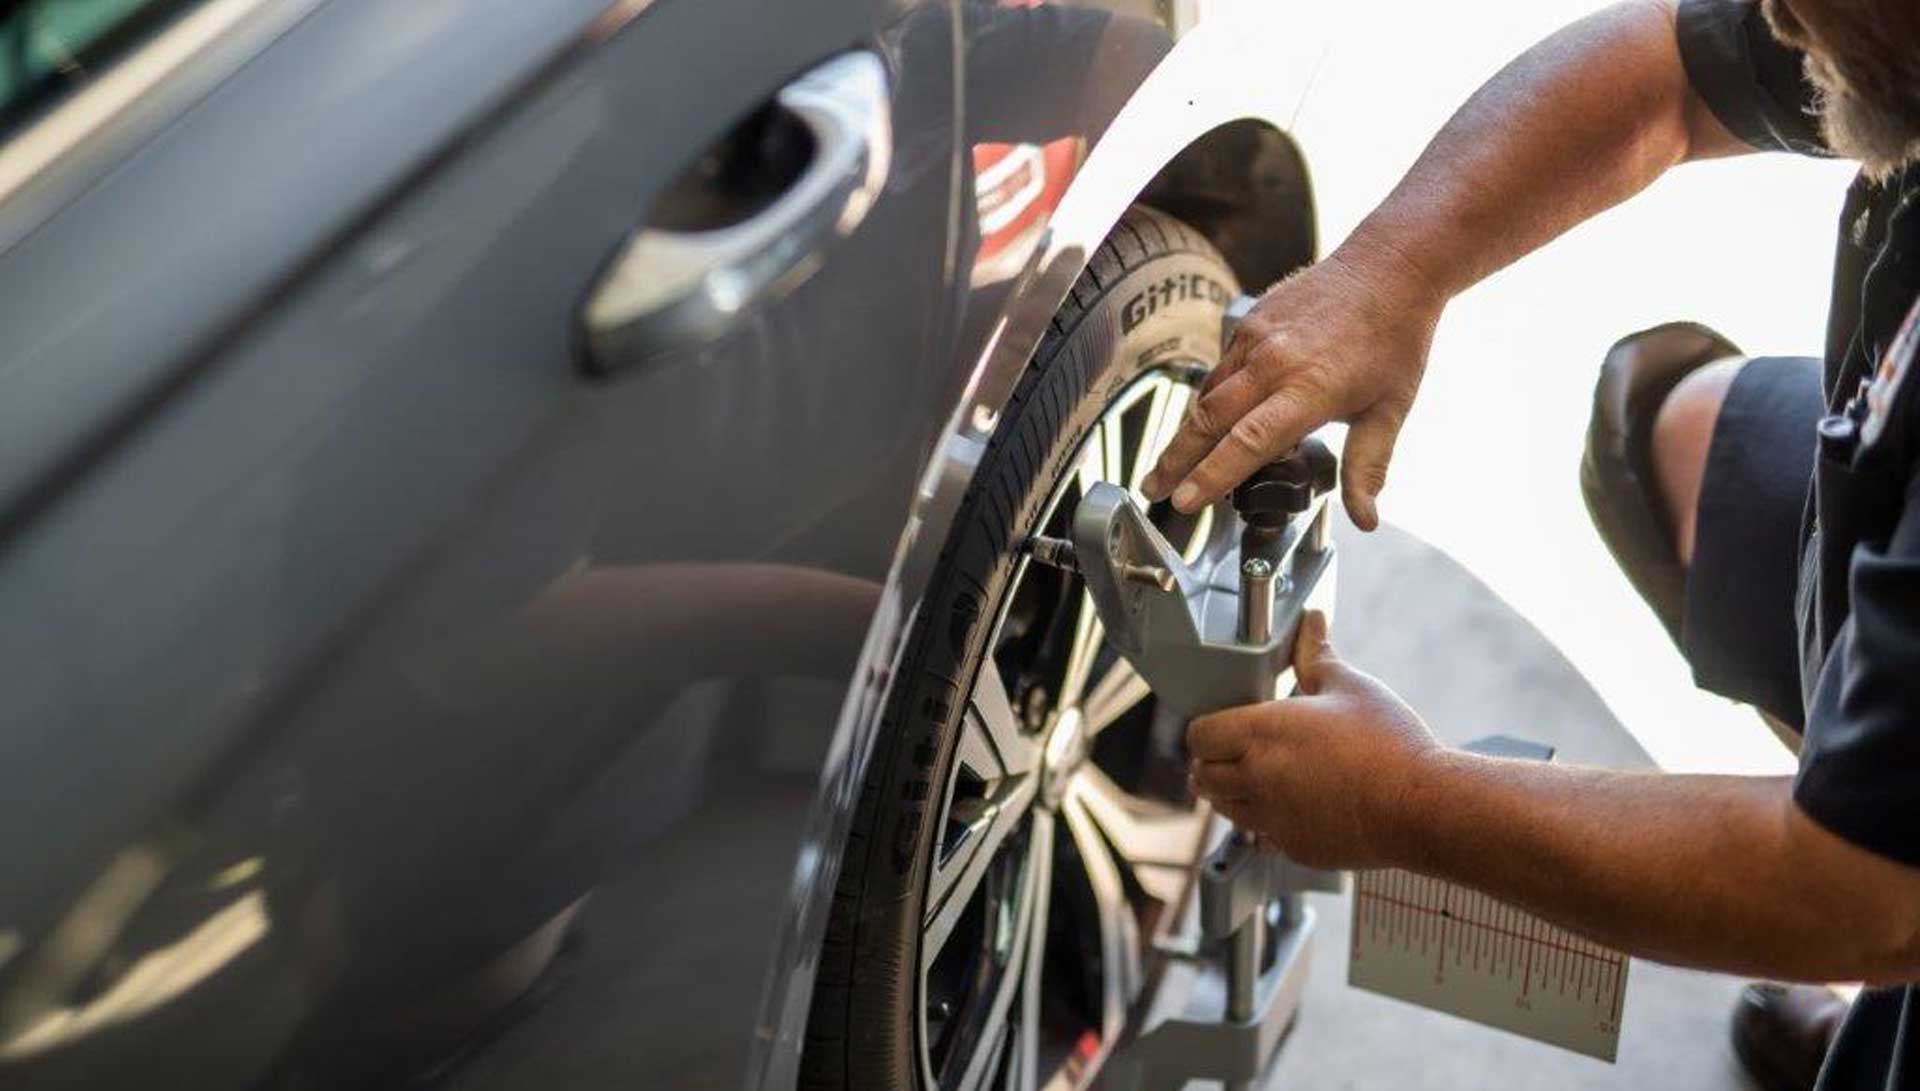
(1723, 873)
(1816, 878)
(1726, 873)
(1577, 124)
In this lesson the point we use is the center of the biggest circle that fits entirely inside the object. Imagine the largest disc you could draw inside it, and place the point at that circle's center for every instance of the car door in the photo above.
(448, 456)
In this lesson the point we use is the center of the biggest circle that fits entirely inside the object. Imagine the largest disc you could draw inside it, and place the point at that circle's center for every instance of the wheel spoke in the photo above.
(1117, 691)
(1119, 932)
(1197, 541)
(1166, 401)
(957, 878)
(1113, 451)
(1001, 759)
(1179, 396)
(1029, 920)
(993, 740)
(1088, 636)
(1092, 468)
(1026, 1063)
(1157, 842)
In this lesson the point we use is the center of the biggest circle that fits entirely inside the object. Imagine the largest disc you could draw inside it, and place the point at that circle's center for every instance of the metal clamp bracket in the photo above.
(1184, 635)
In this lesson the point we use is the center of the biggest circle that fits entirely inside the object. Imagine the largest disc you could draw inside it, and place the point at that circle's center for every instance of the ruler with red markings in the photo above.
(1458, 951)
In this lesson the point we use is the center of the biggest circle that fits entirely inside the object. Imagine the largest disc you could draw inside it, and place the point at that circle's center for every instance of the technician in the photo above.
(1768, 509)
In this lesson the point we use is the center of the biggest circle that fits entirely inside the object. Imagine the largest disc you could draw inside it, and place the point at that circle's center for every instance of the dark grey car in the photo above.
(509, 521)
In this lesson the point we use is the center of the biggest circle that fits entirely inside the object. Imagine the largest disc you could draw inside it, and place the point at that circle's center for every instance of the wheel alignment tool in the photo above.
(1213, 634)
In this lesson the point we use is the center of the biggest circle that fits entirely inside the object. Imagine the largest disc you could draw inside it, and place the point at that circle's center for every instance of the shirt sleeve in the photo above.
(1860, 760)
(1754, 83)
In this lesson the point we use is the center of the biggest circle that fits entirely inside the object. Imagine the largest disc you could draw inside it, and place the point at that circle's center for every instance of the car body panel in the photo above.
(95, 310)
(380, 688)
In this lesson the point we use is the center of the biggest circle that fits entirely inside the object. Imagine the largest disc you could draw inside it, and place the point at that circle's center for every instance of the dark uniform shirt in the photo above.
(1859, 596)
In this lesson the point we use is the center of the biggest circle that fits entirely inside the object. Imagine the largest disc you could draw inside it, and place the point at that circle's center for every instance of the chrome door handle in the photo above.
(670, 288)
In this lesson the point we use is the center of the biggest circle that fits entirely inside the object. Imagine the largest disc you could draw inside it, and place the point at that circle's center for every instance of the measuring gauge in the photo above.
(1458, 951)
(1455, 950)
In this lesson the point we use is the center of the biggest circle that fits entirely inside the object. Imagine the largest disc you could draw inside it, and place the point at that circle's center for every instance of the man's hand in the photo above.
(1346, 339)
(1323, 777)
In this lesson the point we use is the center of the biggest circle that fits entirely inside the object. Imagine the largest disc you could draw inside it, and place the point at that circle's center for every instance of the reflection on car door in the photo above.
(380, 676)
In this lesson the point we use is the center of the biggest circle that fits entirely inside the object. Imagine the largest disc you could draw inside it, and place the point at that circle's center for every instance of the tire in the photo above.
(1151, 298)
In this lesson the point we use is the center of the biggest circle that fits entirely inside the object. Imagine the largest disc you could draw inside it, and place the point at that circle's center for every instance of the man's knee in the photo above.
(1626, 485)
(1682, 434)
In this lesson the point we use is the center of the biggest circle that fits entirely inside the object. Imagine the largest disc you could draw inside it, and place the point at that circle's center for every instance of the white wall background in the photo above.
(1487, 465)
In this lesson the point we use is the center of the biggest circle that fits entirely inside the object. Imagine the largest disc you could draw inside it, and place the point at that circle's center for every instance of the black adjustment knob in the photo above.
(1286, 487)
(1322, 468)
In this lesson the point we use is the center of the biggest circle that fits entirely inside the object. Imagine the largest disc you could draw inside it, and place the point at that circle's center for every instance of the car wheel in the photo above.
(1024, 829)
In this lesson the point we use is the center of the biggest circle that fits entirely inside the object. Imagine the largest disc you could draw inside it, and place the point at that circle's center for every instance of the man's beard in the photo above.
(1856, 120)
(1857, 125)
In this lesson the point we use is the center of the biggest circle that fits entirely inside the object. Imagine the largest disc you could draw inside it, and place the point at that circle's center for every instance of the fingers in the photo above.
(1363, 470)
(1220, 781)
(1264, 433)
(1313, 654)
(1248, 334)
(1225, 785)
(1219, 736)
(1221, 373)
(1233, 359)
(1240, 812)
(1208, 418)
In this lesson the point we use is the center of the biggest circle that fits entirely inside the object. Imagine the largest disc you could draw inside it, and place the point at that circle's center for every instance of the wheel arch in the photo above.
(1204, 138)
(1244, 185)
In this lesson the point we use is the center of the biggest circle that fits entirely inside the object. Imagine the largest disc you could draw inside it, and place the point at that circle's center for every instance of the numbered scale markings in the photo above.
(1454, 950)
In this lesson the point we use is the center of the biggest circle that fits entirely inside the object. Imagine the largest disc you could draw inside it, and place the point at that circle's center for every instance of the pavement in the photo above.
(1473, 666)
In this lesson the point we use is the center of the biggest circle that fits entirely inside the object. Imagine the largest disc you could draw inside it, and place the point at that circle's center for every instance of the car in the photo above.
(511, 521)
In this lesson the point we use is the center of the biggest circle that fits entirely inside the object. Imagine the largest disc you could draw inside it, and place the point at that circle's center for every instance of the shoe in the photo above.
(1781, 1033)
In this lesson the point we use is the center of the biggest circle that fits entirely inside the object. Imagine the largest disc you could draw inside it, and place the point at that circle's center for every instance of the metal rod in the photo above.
(1053, 552)
(1256, 600)
(1243, 967)
(1317, 532)
(1290, 906)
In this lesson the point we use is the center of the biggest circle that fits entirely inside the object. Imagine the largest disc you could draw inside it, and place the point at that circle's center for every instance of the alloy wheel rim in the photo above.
(1039, 846)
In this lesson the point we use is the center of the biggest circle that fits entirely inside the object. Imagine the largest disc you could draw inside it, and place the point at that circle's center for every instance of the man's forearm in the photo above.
(1577, 124)
(1724, 873)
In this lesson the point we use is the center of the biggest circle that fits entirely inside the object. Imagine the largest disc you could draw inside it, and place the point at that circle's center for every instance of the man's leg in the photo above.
(1696, 473)
(1691, 468)
(1617, 474)
(1682, 438)
(1682, 434)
